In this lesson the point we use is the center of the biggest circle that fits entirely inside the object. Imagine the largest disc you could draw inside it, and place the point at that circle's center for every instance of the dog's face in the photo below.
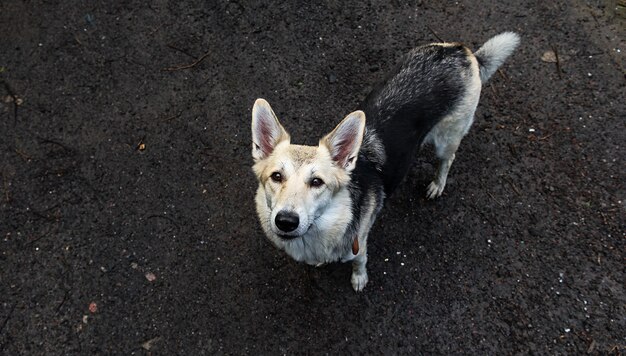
(302, 189)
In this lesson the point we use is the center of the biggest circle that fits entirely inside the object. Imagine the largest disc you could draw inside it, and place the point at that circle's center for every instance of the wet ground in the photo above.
(127, 221)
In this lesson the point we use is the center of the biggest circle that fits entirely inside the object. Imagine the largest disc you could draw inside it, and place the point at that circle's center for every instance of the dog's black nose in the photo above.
(287, 221)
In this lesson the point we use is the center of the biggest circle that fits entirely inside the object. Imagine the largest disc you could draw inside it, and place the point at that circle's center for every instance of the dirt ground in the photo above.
(127, 222)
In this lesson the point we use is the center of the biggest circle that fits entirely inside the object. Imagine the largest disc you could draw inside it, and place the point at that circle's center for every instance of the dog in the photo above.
(318, 203)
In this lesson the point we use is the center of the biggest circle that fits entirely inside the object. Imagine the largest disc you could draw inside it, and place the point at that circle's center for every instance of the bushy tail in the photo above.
(494, 52)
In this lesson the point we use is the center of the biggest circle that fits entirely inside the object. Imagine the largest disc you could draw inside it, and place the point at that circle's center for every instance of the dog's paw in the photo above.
(359, 280)
(434, 190)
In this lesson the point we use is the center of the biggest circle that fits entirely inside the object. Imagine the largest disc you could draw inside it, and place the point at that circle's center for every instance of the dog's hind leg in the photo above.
(446, 136)
(446, 156)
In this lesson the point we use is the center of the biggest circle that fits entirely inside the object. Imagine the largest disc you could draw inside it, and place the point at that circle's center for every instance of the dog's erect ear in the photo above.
(344, 141)
(267, 132)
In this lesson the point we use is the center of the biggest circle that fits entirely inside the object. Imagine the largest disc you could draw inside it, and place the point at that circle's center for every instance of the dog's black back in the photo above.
(416, 95)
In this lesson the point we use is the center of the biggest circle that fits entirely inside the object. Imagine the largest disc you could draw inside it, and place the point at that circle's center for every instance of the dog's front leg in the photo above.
(359, 271)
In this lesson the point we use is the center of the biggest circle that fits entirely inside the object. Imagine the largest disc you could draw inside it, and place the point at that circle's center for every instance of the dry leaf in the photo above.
(148, 344)
(550, 57)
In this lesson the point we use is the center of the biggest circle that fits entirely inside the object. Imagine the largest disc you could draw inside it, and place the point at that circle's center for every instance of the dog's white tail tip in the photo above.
(494, 52)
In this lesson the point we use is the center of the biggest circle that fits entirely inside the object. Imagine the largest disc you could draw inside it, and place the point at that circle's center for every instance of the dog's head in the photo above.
(300, 186)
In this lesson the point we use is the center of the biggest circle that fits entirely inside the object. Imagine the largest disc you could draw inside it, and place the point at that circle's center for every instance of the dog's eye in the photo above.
(277, 177)
(316, 182)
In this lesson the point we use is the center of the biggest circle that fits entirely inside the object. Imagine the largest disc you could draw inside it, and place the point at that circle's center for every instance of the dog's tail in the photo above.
(494, 52)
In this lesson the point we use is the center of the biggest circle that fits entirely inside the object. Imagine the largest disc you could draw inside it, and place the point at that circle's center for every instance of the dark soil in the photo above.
(127, 221)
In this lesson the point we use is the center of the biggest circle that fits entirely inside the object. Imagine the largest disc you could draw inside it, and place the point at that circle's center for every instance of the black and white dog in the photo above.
(318, 203)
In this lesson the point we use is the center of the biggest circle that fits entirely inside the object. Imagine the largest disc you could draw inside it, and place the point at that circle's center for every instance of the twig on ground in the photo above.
(494, 198)
(435, 34)
(30, 242)
(558, 61)
(172, 117)
(195, 63)
(181, 50)
(23, 155)
(6, 188)
(494, 93)
(515, 188)
(41, 215)
(67, 292)
(47, 140)
(503, 75)
(545, 137)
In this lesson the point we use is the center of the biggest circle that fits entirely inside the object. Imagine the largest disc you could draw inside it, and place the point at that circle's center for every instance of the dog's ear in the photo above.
(344, 141)
(267, 132)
